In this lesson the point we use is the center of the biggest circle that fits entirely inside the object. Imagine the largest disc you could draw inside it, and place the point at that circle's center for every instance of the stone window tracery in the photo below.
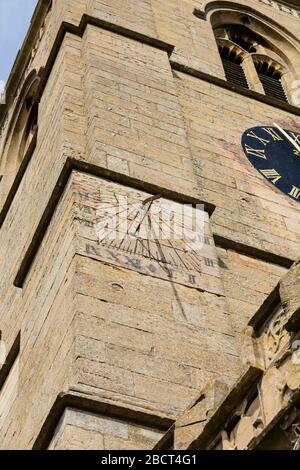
(270, 54)
(247, 61)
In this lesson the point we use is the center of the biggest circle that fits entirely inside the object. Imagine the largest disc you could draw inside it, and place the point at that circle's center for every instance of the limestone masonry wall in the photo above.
(114, 335)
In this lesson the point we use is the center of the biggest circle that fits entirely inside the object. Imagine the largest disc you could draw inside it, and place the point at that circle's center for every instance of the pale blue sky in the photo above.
(15, 16)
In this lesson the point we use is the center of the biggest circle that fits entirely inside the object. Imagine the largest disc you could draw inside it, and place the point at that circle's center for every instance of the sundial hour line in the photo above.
(147, 202)
(119, 223)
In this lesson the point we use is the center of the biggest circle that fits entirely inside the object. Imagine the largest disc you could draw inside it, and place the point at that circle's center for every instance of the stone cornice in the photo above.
(294, 4)
(80, 402)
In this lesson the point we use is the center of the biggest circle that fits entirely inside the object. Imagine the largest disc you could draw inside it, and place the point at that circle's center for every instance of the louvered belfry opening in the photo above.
(240, 48)
(243, 38)
(271, 81)
(233, 67)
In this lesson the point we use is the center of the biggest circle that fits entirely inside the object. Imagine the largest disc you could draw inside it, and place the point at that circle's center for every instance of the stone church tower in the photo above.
(113, 108)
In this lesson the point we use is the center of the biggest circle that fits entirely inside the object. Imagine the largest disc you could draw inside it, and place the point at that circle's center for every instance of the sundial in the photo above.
(153, 235)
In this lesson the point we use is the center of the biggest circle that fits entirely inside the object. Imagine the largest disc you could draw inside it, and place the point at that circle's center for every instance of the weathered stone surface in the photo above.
(190, 425)
(290, 290)
(262, 410)
(134, 329)
(78, 430)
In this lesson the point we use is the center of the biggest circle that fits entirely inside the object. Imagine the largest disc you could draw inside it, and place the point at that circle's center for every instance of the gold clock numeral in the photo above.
(272, 175)
(296, 137)
(273, 133)
(255, 152)
(292, 140)
(295, 192)
(255, 136)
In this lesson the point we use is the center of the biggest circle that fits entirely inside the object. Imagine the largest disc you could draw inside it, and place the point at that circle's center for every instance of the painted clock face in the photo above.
(275, 153)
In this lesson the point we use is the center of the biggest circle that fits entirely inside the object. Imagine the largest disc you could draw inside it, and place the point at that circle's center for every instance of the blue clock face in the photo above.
(275, 153)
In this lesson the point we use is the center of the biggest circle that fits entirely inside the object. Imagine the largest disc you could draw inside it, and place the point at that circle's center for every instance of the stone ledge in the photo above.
(79, 31)
(236, 89)
(81, 402)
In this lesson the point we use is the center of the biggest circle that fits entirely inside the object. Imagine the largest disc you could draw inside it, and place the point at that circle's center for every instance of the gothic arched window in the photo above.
(241, 54)
(255, 52)
(20, 133)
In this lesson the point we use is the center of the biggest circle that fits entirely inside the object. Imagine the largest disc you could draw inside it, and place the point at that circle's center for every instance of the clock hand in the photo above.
(293, 142)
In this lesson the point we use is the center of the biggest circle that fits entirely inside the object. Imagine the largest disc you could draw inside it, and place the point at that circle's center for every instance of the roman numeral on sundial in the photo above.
(255, 152)
(271, 175)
